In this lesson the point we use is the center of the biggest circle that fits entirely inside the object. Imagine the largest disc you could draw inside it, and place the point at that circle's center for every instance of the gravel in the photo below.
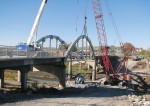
(88, 94)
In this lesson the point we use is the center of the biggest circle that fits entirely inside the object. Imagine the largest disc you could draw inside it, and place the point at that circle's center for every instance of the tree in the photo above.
(74, 49)
(61, 47)
(128, 48)
(148, 53)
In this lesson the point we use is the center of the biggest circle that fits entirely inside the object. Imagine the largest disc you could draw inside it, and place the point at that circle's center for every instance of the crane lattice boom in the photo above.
(102, 35)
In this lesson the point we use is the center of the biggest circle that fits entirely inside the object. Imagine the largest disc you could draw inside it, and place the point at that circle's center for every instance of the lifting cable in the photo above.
(85, 9)
(113, 22)
(85, 15)
(77, 3)
(85, 18)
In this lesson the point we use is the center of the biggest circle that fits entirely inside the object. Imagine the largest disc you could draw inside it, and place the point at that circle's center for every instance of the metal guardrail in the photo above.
(12, 52)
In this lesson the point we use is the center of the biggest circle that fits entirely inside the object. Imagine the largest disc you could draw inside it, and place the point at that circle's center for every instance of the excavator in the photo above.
(31, 42)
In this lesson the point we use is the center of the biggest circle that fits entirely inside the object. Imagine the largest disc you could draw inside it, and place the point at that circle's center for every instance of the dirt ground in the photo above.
(88, 94)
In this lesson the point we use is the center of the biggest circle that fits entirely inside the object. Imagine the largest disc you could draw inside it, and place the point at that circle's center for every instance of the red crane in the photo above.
(103, 44)
(102, 36)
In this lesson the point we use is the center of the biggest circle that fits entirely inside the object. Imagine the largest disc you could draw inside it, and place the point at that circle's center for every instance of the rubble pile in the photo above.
(138, 83)
(138, 100)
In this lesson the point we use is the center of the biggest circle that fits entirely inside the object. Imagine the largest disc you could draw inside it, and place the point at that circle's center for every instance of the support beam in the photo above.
(50, 47)
(1, 78)
(90, 52)
(77, 50)
(82, 46)
(86, 49)
(57, 47)
(94, 72)
(19, 76)
(93, 75)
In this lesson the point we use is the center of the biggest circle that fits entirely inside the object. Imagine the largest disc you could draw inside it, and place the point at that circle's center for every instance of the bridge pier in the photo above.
(93, 75)
(23, 80)
(1, 78)
(57, 70)
(24, 71)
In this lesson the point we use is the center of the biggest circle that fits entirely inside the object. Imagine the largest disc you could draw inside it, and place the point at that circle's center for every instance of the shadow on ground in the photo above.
(91, 91)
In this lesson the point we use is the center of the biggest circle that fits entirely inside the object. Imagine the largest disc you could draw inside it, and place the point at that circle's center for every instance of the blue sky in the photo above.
(132, 18)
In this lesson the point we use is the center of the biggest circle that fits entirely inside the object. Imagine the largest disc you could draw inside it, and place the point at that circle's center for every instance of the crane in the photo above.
(102, 36)
(115, 78)
(29, 45)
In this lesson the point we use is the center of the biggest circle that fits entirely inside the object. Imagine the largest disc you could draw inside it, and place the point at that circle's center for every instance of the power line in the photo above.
(113, 21)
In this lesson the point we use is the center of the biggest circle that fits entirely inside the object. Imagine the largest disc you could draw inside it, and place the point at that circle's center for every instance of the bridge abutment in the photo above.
(57, 70)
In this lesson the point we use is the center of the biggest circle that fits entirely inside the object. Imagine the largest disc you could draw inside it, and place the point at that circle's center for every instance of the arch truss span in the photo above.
(43, 39)
(50, 46)
(83, 48)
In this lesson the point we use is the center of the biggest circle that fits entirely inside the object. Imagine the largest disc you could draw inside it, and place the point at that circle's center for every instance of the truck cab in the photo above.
(24, 47)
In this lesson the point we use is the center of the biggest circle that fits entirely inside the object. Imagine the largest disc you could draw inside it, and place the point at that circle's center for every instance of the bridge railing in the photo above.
(12, 52)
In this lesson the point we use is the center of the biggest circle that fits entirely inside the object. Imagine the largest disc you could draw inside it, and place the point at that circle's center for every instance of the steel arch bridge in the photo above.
(73, 44)
(68, 50)
(52, 37)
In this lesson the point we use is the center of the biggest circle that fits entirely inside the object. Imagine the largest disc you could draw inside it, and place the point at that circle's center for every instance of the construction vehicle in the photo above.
(104, 49)
(31, 42)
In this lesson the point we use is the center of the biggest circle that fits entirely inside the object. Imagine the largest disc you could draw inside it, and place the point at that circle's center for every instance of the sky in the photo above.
(65, 18)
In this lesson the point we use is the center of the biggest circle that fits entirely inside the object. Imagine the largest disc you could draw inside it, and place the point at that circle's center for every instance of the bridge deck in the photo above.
(14, 62)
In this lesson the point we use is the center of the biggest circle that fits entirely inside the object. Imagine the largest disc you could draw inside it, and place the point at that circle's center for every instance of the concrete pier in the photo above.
(23, 75)
(23, 80)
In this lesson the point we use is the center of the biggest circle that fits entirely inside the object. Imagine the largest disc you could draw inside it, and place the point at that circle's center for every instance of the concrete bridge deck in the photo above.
(14, 62)
(54, 65)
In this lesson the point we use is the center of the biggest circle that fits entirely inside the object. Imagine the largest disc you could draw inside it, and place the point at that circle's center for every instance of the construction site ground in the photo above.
(91, 93)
